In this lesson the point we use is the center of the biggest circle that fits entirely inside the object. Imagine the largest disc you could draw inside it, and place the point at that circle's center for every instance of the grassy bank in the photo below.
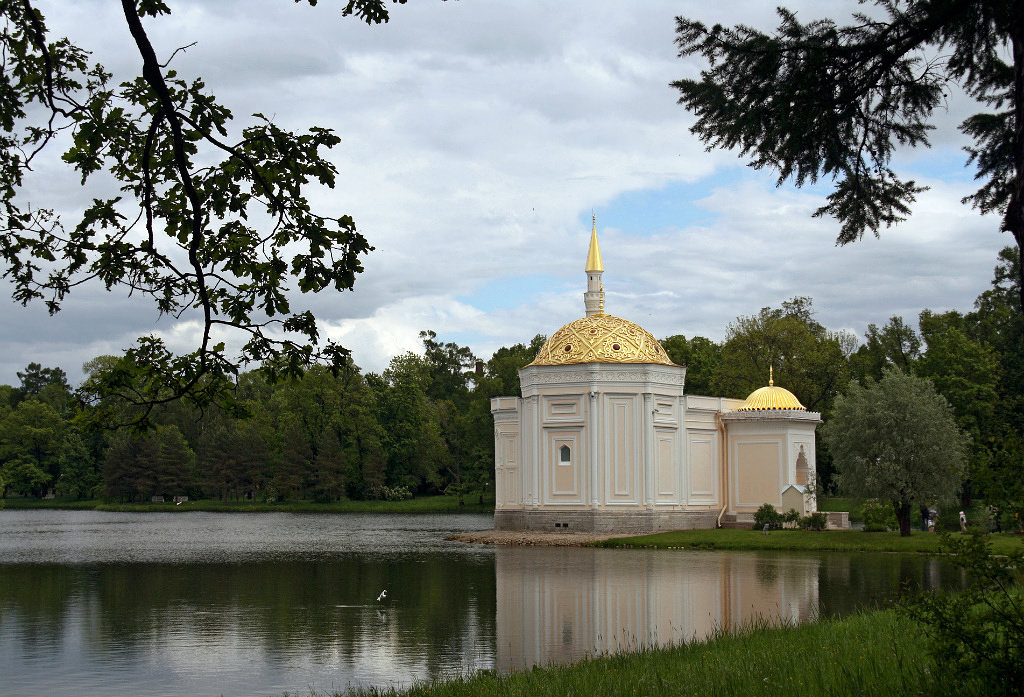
(878, 653)
(795, 540)
(425, 504)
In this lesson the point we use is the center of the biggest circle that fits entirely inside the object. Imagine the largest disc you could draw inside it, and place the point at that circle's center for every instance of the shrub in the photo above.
(977, 635)
(878, 517)
(398, 492)
(980, 521)
(791, 516)
(767, 515)
(814, 521)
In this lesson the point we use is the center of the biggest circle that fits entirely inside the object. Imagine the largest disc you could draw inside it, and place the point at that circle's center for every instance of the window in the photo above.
(564, 455)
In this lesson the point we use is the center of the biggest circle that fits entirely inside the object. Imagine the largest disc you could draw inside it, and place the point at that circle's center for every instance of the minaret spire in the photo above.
(594, 255)
(593, 299)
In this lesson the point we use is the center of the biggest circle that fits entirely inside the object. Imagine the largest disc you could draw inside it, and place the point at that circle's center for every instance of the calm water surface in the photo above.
(258, 604)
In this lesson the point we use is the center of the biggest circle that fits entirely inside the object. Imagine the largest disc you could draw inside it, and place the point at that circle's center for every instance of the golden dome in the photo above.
(601, 338)
(771, 397)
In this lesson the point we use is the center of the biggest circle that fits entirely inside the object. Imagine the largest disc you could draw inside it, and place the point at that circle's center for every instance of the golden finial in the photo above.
(594, 255)
(771, 376)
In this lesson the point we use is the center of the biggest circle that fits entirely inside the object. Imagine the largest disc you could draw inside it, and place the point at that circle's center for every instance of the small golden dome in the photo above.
(601, 339)
(771, 397)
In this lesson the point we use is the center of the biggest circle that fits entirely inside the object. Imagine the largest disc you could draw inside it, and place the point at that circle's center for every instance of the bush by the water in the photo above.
(391, 493)
(814, 521)
(977, 636)
(766, 515)
(878, 517)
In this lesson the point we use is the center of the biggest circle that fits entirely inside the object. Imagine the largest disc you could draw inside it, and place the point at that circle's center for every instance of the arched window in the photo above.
(564, 455)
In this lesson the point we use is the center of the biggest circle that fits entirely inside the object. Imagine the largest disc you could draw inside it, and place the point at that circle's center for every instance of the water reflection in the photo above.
(557, 606)
(262, 604)
(277, 619)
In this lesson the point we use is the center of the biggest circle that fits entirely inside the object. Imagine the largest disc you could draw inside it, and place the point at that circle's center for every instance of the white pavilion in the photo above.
(604, 437)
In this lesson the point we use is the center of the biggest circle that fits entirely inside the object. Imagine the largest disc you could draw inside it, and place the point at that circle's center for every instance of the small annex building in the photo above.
(604, 437)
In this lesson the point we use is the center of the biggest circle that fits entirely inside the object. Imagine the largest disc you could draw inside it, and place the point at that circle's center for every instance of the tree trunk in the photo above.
(903, 517)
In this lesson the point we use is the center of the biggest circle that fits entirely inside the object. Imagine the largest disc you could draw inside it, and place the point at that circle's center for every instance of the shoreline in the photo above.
(534, 538)
(424, 504)
(842, 541)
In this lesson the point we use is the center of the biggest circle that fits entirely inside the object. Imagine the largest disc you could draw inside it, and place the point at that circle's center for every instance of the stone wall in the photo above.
(604, 521)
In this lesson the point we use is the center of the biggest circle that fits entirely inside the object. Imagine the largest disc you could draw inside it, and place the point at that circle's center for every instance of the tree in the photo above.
(330, 466)
(23, 476)
(449, 366)
(119, 460)
(997, 322)
(172, 462)
(78, 476)
(822, 101)
(965, 372)
(504, 364)
(808, 359)
(701, 356)
(36, 378)
(31, 437)
(412, 438)
(210, 220)
(295, 463)
(896, 345)
(896, 440)
(362, 440)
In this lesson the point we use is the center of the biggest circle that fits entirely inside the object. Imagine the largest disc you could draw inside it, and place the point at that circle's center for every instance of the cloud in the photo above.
(478, 137)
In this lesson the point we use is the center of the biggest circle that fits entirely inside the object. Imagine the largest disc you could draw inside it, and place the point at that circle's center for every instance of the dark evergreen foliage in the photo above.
(829, 101)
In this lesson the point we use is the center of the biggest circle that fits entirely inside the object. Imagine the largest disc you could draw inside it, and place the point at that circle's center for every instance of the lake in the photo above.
(263, 603)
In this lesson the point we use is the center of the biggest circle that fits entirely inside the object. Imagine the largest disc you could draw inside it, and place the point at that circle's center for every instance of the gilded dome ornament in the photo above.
(772, 397)
(598, 337)
(601, 339)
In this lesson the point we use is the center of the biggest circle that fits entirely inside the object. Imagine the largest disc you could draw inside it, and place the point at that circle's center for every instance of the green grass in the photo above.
(425, 504)
(795, 540)
(838, 503)
(855, 507)
(877, 653)
(15, 503)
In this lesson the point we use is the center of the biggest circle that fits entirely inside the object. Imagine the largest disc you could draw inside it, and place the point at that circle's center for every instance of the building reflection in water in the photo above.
(558, 605)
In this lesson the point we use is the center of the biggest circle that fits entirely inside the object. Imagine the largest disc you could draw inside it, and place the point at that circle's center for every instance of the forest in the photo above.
(423, 426)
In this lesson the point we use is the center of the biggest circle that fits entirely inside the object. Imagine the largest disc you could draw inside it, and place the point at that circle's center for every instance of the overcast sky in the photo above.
(478, 137)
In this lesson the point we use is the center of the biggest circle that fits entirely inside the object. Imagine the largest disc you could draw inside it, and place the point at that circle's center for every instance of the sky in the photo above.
(478, 137)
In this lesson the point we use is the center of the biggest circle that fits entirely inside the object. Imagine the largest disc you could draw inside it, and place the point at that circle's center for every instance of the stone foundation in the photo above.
(838, 520)
(639, 522)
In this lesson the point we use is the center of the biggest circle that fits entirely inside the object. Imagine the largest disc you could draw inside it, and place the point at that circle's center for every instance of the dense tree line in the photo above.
(974, 360)
(423, 425)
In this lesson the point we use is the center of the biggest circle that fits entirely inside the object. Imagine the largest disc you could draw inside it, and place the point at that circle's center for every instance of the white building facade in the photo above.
(604, 438)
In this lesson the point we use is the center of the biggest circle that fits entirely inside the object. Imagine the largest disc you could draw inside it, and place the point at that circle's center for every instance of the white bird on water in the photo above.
(383, 594)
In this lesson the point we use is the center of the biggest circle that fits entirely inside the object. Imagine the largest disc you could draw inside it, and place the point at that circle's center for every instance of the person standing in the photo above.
(963, 522)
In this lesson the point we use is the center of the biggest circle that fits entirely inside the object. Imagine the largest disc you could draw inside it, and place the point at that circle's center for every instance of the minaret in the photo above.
(593, 299)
